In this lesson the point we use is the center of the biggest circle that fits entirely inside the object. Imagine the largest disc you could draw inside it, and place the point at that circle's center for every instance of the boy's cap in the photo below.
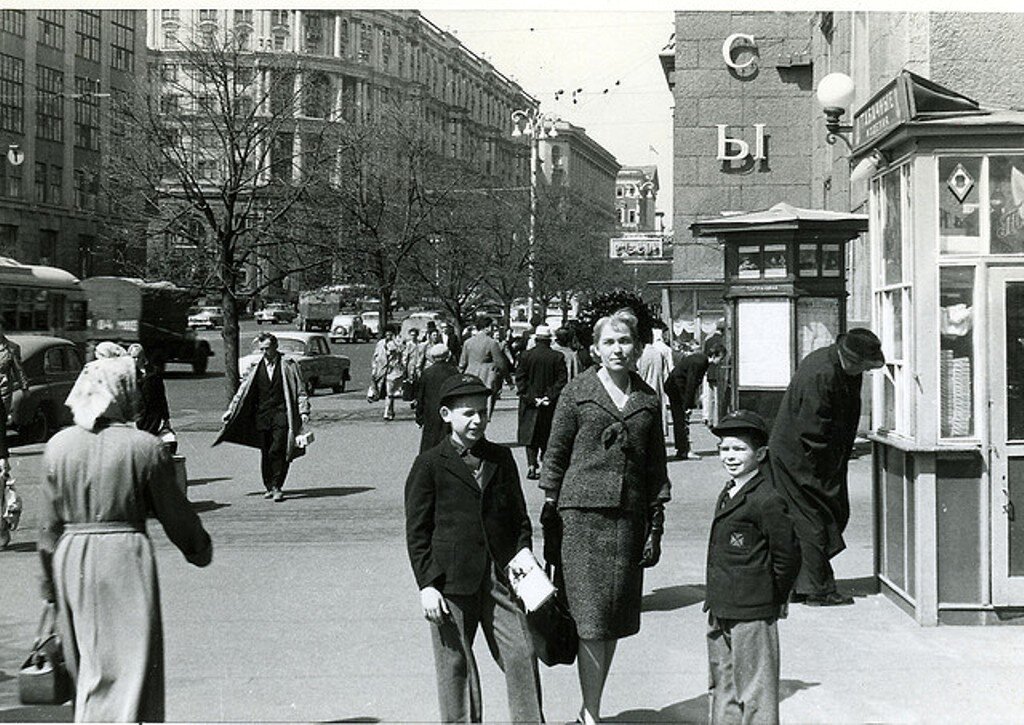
(458, 386)
(741, 420)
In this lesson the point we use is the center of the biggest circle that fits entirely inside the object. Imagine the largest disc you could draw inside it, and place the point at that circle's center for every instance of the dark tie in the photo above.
(724, 497)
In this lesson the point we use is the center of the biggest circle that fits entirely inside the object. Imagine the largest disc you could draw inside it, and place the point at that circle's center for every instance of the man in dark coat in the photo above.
(810, 446)
(439, 368)
(682, 387)
(540, 377)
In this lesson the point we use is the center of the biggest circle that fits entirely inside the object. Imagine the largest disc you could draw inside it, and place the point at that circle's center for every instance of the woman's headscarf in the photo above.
(106, 392)
(109, 349)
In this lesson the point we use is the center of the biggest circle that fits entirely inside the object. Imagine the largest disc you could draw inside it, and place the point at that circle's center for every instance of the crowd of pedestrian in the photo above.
(593, 426)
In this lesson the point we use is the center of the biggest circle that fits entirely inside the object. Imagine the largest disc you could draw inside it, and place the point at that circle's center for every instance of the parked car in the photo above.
(419, 321)
(318, 366)
(274, 313)
(207, 318)
(371, 320)
(348, 327)
(51, 365)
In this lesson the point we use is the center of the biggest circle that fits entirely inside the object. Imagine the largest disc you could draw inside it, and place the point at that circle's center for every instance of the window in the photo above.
(85, 189)
(86, 245)
(168, 72)
(8, 240)
(55, 190)
(12, 94)
(243, 29)
(87, 114)
(316, 96)
(122, 47)
(51, 28)
(956, 351)
(365, 42)
(171, 16)
(47, 248)
(618, 192)
(315, 38)
(893, 298)
(13, 22)
(170, 38)
(279, 18)
(632, 216)
(243, 17)
(1006, 189)
(49, 103)
(343, 47)
(385, 48)
(87, 40)
(10, 183)
(209, 16)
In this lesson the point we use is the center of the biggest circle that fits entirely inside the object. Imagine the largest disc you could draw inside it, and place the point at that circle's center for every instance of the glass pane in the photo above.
(1006, 181)
(958, 204)
(808, 263)
(775, 260)
(1015, 490)
(1015, 362)
(892, 228)
(831, 261)
(889, 397)
(817, 323)
(956, 350)
(762, 334)
(750, 262)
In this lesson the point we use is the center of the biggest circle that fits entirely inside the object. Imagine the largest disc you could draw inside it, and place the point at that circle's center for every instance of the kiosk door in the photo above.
(1007, 430)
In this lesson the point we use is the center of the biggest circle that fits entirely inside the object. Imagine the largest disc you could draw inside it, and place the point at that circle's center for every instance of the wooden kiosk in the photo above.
(785, 293)
(946, 203)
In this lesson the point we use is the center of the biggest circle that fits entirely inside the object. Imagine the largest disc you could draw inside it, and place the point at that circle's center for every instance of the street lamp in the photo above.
(537, 126)
(835, 92)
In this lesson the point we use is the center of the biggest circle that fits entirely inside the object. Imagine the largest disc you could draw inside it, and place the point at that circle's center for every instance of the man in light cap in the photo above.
(428, 402)
(810, 446)
(540, 376)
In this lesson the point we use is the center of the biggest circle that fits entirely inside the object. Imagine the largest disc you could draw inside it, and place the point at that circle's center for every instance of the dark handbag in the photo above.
(552, 628)
(44, 678)
(408, 391)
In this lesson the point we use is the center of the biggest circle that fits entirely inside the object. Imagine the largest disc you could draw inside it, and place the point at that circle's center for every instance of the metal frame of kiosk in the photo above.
(785, 292)
(946, 207)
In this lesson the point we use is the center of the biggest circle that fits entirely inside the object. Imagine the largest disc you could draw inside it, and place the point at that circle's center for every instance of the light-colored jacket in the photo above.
(240, 429)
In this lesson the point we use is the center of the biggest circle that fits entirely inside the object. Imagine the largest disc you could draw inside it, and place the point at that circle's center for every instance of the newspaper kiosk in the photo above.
(946, 202)
(785, 292)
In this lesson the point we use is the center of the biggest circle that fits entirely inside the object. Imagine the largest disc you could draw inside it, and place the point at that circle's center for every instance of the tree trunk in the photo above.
(230, 337)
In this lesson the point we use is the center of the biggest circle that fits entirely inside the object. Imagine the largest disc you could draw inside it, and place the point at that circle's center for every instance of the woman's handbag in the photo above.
(408, 391)
(552, 628)
(44, 679)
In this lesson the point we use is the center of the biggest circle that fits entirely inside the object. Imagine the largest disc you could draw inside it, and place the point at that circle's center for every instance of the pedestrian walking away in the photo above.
(428, 402)
(268, 412)
(155, 414)
(482, 356)
(540, 376)
(810, 446)
(753, 559)
(563, 343)
(682, 387)
(606, 479)
(465, 519)
(103, 477)
(654, 366)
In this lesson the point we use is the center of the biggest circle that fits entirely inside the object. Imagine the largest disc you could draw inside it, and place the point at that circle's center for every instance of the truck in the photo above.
(126, 310)
(317, 309)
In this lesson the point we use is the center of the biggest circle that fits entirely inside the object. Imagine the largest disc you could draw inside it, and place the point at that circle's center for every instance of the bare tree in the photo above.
(222, 161)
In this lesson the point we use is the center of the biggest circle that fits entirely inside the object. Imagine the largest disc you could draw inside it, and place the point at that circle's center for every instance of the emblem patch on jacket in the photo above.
(737, 540)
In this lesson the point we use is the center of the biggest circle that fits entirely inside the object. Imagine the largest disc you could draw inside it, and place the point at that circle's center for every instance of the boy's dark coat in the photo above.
(753, 554)
(455, 527)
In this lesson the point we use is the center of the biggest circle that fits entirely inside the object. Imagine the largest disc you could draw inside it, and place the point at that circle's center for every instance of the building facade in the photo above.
(59, 72)
(573, 161)
(636, 193)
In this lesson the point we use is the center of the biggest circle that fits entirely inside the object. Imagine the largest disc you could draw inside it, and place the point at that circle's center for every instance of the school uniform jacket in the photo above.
(753, 553)
(454, 527)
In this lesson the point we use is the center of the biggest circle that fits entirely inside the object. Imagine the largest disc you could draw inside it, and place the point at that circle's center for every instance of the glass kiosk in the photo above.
(946, 203)
(785, 292)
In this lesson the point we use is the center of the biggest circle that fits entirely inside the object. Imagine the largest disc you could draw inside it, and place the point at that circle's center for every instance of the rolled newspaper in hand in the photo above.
(528, 581)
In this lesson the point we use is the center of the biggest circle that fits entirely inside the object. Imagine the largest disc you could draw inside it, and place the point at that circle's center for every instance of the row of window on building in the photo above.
(50, 103)
(82, 264)
(51, 26)
(48, 185)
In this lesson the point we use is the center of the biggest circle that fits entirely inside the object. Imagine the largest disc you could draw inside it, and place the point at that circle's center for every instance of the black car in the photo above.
(52, 365)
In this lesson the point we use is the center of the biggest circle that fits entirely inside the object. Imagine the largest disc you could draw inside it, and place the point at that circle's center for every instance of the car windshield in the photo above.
(286, 345)
(210, 311)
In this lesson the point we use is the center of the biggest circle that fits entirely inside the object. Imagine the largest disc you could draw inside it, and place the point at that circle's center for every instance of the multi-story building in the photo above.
(59, 71)
(636, 192)
(573, 161)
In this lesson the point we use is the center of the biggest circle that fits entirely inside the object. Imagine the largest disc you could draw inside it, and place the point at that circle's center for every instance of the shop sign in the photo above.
(637, 247)
(882, 113)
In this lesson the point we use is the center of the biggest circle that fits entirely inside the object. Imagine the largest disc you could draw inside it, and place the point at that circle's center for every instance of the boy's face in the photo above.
(738, 455)
(467, 416)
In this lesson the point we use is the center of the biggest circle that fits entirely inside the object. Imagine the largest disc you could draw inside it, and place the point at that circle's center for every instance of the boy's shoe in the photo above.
(831, 599)
(268, 494)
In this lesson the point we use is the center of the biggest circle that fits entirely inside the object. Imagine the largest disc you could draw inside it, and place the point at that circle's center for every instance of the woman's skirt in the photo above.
(601, 552)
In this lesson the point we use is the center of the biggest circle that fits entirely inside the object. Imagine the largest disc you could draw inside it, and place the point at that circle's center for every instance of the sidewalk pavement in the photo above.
(309, 611)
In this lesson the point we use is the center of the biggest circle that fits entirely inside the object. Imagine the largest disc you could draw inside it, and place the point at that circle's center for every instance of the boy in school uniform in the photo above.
(753, 560)
(466, 519)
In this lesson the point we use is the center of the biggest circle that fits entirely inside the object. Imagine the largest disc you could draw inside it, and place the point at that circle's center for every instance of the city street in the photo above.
(309, 611)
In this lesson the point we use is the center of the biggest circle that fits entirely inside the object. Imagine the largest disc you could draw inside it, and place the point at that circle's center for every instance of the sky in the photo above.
(605, 63)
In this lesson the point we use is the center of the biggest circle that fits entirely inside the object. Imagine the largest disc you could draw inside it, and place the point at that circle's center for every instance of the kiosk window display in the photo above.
(946, 204)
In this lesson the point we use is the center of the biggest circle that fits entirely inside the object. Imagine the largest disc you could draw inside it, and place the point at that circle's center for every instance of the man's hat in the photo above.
(742, 420)
(862, 345)
(458, 386)
(543, 332)
(437, 351)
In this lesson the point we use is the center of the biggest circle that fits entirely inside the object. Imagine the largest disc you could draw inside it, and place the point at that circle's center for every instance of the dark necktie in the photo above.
(724, 497)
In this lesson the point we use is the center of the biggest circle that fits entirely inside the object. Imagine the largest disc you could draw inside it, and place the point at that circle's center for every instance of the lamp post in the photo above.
(538, 126)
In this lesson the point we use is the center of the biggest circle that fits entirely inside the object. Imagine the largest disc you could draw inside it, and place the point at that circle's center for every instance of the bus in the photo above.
(40, 300)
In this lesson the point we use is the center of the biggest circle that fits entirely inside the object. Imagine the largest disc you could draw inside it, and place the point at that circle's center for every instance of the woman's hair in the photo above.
(620, 318)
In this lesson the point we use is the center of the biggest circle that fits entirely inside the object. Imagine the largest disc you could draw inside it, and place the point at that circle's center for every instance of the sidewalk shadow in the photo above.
(39, 713)
(325, 492)
(201, 507)
(21, 546)
(863, 586)
(356, 719)
(204, 481)
(695, 710)
(668, 599)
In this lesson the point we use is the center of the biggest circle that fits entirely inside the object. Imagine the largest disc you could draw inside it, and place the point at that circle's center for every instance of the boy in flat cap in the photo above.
(465, 519)
(753, 559)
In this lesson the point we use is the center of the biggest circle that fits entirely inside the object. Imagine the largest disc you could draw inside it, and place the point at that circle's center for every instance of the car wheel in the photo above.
(259, 322)
(40, 429)
(199, 364)
(311, 387)
(339, 388)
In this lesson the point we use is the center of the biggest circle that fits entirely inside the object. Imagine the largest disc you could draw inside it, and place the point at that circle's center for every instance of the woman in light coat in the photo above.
(388, 368)
(102, 477)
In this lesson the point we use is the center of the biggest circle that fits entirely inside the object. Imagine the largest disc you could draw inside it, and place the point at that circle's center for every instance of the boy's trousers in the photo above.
(493, 609)
(743, 659)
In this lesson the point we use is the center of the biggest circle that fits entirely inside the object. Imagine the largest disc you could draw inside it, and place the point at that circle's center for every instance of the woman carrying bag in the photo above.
(387, 369)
